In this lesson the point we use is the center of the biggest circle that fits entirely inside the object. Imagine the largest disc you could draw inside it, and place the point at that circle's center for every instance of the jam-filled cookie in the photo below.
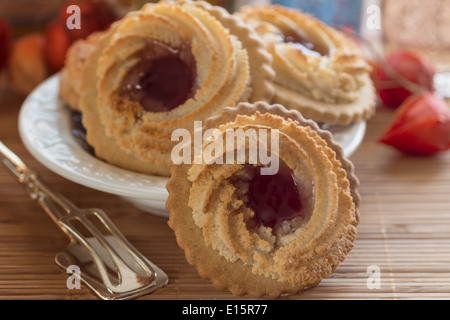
(160, 69)
(264, 233)
(319, 70)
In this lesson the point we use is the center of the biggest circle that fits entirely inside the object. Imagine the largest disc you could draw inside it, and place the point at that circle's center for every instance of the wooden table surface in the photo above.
(404, 229)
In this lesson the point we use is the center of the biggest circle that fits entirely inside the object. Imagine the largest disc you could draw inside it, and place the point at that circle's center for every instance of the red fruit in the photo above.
(27, 67)
(95, 15)
(406, 65)
(57, 42)
(5, 42)
(421, 126)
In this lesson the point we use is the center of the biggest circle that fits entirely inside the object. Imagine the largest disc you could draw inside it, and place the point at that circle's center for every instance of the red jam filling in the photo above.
(163, 78)
(304, 45)
(278, 198)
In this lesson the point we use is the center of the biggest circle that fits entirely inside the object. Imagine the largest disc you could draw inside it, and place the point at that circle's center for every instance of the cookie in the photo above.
(160, 69)
(262, 234)
(319, 70)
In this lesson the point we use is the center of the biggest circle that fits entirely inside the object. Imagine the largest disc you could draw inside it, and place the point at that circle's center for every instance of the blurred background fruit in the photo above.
(27, 66)
(398, 66)
(421, 126)
(36, 54)
(57, 42)
(96, 15)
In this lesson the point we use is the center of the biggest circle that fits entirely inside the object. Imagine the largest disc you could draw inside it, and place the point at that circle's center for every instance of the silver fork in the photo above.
(108, 264)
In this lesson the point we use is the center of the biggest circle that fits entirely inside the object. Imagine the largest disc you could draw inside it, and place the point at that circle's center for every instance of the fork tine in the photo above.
(121, 263)
(77, 236)
(100, 214)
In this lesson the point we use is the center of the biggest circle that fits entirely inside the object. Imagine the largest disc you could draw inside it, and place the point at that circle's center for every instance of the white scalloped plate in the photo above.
(45, 126)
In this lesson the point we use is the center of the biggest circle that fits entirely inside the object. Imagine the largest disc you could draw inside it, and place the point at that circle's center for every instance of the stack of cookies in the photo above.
(268, 73)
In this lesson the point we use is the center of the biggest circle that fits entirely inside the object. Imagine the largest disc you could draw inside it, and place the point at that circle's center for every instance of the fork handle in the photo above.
(35, 188)
(11, 161)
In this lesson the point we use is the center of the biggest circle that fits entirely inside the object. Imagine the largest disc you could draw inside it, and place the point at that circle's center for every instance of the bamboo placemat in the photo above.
(404, 230)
